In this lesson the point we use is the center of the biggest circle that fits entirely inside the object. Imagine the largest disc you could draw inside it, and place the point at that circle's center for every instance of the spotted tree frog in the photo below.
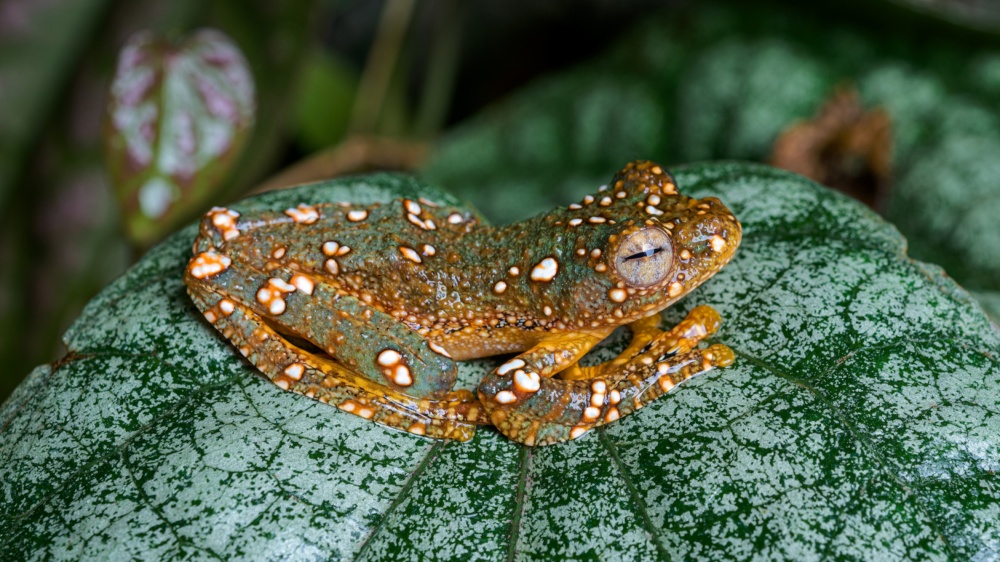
(368, 308)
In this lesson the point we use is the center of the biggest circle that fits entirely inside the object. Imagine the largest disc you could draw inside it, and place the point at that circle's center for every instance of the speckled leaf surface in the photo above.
(861, 420)
(724, 80)
(178, 116)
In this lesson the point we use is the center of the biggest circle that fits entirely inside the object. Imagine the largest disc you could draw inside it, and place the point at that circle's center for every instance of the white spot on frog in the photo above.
(505, 397)
(207, 264)
(675, 289)
(303, 283)
(303, 214)
(512, 364)
(718, 243)
(410, 254)
(526, 381)
(438, 349)
(272, 295)
(295, 371)
(330, 248)
(401, 376)
(389, 358)
(224, 220)
(545, 270)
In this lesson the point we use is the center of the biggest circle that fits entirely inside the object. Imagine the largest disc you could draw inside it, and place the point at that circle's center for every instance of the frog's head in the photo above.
(659, 246)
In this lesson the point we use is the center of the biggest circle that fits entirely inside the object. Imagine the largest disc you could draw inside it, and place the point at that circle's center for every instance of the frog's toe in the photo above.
(719, 355)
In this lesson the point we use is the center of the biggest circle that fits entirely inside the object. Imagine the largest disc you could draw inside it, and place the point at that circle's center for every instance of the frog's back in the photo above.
(360, 249)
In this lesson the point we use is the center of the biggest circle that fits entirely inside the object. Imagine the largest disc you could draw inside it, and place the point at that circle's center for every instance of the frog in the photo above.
(369, 308)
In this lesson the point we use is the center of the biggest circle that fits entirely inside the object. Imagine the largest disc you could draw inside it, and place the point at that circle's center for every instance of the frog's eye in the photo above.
(644, 257)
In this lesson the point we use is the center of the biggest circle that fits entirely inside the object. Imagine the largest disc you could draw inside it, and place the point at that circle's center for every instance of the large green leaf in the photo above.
(859, 421)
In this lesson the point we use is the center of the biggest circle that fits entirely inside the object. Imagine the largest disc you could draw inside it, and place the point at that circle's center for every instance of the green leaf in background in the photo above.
(178, 117)
(323, 104)
(982, 15)
(861, 420)
(725, 80)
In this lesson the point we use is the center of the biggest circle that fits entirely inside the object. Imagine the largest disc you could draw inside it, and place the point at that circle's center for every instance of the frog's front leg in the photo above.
(643, 331)
(556, 409)
(650, 341)
(384, 371)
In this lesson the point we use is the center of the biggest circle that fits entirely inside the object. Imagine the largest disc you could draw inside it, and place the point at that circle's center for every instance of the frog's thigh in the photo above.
(373, 343)
(650, 341)
(559, 409)
(292, 369)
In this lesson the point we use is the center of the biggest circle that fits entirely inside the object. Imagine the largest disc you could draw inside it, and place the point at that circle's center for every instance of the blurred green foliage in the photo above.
(61, 237)
(323, 105)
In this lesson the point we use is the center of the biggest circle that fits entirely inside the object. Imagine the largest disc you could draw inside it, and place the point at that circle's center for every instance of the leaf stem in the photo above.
(381, 65)
(439, 80)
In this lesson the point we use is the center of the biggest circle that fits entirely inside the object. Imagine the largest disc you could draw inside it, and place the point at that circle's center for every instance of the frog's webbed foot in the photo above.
(453, 416)
(557, 409)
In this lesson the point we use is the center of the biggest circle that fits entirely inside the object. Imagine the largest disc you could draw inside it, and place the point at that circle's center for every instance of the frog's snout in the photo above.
(713, 234)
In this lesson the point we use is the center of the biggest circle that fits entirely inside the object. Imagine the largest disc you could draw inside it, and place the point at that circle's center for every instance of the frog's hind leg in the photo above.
(556, 409)
(312, 307)
(293, 369)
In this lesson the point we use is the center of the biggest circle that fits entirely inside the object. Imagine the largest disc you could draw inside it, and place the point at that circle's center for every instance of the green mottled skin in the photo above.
(478, 290)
